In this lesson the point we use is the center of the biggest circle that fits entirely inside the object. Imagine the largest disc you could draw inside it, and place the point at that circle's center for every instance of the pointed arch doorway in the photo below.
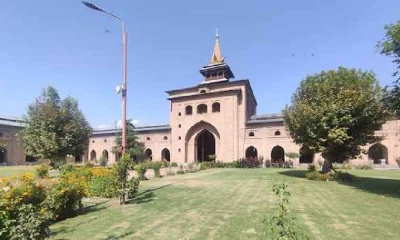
(205, 146)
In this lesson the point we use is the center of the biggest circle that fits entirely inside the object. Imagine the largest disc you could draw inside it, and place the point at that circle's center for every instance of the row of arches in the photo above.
(93, 155)
(203, 108)
(376, 153)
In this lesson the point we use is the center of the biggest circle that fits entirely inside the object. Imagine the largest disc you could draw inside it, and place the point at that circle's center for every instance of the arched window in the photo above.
(93, 155)
(165, 155)
(202, 108)
(251, 134)
(105, 154)
(189, 110)
(216, 107)
(278, 154)
(165, 138)
(148, 154)
(251, 152)
(148, 138)
(203, 91)
(277, 133)
(377, 152)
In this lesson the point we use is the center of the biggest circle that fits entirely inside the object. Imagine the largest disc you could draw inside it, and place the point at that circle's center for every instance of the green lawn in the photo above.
(232, 203)
(18, 170)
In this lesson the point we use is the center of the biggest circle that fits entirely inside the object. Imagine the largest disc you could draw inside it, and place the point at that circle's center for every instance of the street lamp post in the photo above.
(124, 69)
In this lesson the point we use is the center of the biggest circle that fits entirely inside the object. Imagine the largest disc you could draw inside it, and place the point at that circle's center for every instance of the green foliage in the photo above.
(88, 164)
(174, 164)
(156, 166)
(42, 171)
(180, 171)
(2, 145)
(212, 157)
(312, 168)
(55, 128)
(141, 170)
(207, 165)
(30, 223)
(126, 189)
(165, 163)
(103, 161)
(250, 162)
(281, 224)
(336, 112)
(364, 167)
(103, 186)
(133, 147)
(292, 155)
(234, 164)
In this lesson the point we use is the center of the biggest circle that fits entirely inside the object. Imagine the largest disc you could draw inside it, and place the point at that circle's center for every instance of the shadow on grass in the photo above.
(119, 236)
(380, 186)
(147, 195)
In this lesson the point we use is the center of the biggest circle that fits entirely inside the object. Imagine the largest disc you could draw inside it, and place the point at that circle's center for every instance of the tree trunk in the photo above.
(327, 166)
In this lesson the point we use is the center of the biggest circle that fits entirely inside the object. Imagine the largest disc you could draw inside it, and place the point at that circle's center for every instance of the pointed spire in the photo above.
(216, 56)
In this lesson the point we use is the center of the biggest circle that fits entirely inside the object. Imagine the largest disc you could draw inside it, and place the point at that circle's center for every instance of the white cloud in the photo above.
(119, 125)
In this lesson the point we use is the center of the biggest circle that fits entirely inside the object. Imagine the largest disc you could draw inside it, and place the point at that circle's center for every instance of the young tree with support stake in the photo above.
(335, 113)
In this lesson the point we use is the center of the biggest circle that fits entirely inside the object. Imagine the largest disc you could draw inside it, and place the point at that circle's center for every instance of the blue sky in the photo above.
(66, 45)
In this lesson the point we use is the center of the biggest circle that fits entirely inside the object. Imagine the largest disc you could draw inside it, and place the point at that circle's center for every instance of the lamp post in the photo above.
(123, 88)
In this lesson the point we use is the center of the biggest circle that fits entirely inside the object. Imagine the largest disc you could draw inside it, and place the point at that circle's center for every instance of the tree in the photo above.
(390, 46)
(133, 147)
(335, 113)
(55, 128)
(2, 145)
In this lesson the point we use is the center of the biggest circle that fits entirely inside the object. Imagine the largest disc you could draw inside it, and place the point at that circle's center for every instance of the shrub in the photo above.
(125, 188)
(103, 185)
(165, 163)
(212, 158)
(141, 169)
(180, 171)
(30, 223)
(344, 177)
(314, 175)
(174, 164)
(103, 161)
(398, 161)
(156, 167)
(66, 197)
(133, 187)
(207, 165)
(89, 164)
(191, 167)
(268, 163)
(288, 164)
(42, 171)
(312, 168)
(170, 172)
(364, 167)
(250, 163)
(325, 177)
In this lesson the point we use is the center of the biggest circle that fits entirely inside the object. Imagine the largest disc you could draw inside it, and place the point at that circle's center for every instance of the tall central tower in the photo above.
(217, 70)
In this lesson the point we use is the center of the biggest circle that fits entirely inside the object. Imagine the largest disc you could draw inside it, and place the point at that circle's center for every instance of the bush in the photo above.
(314, 175)
(156, 166)
(207, 165)
(103, 185)
(103, 161)
(29, 223)
(288, 164)
(398, 161)
(364, 167)
(180, 171)
(312, 168)
(191, 167)
(344, 177)
(133, 187)
(126, 188)
(88, 164)
(165, 163)
(141, 170)
(174, 164)
(42, 171)
(268, 163)
(66, 197)
(250, 163)
(170, 172)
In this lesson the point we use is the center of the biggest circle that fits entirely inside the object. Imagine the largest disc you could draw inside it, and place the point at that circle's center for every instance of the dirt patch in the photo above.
(339, 226)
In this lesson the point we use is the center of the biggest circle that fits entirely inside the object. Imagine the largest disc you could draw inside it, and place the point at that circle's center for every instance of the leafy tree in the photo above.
(390, 46)
(335, 113)
(133, 148)
(55, 128)
(2, 145)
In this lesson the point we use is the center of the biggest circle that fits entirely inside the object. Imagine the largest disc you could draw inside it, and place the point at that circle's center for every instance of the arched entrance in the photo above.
(306, 155)
(3, 156)
(105, 154)
(251, 152)
(148, 154)
(205, 146)
(165, 155)
(278, 154)
(377, 152)
(93, 155)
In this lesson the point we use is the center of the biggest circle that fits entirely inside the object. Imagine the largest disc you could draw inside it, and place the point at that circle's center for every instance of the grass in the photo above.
(232, 203)
(18, 170)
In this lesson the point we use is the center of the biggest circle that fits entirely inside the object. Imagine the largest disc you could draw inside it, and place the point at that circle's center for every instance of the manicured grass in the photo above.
(232, 203)
(18, 170)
